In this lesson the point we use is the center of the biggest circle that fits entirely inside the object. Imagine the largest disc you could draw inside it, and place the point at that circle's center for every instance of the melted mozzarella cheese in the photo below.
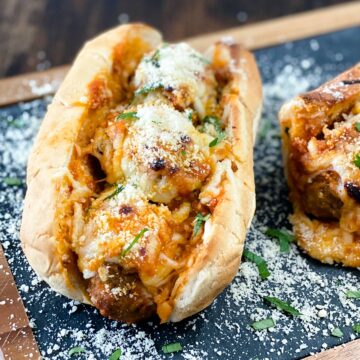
(160, 144)
(109, 231)
(158, 155)
(180, 70)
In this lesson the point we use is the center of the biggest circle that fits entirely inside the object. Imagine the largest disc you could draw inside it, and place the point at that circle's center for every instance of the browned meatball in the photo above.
(353, 190)
(321, 197)
(120, 296)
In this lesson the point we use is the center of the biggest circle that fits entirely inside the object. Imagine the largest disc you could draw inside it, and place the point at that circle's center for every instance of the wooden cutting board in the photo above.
(31, 86)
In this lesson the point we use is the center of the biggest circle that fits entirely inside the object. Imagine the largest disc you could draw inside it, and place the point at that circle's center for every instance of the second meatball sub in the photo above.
(321, 147)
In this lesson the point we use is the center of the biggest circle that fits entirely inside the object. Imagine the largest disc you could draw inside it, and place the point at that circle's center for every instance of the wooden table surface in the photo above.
(35, 35)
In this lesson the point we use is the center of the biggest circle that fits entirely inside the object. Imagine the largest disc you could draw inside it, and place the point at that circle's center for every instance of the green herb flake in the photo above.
(214, 142)
(118, 190)
(284, 238)
(282, 305)
(213, 120)
(17, 123)
(337, 333)
(190, 114)
(183, 152)
(135, 240)
(12, 181)
(127, 115)
(259, 262)
(357, 126)
(266, 125)
(357, 160)
(356, 328)
(263, 324)
(116, 355)
(76, 350)
(352, 294)
(199, 220)
(201, 58)
(171, 348)
(148, 89)
(156, 56)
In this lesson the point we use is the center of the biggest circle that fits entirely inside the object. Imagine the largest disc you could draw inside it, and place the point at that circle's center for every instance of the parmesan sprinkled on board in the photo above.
(220, 331)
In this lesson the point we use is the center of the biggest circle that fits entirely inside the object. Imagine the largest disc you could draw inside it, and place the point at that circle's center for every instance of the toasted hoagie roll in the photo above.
(321, 148)
(140, 181)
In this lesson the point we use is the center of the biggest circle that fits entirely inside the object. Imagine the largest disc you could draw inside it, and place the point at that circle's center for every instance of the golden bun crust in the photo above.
(47, 170)
(216, 262)
(301, 119)
(219, 256)
(220, 253)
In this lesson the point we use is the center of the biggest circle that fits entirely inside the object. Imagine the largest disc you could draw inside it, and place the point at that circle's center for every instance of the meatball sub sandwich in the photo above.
(321, 147)
(140, 182)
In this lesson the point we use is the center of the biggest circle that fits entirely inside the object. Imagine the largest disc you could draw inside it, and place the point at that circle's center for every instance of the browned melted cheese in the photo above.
(148, 166)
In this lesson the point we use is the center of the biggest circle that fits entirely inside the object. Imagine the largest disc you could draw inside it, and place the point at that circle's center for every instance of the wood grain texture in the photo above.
(37, 34)
(292, 27)
(349, 351)
(16, 338)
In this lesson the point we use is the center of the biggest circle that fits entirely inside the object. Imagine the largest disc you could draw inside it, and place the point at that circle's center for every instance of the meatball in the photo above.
(165, 154)
(353, 190)
(119, 295)
(321, 197)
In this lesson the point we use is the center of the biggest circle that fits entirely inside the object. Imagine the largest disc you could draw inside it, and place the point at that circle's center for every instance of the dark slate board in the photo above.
(222, 330)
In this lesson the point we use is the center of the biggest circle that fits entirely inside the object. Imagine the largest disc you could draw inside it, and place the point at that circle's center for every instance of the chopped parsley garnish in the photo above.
(214, 142)
(127, 115)
(190, 114)
(357, 160)
(115, 355)
(337, 333)
(199, 220)
(183, 152)
(213, 120)
(148, 88)
(220, 134)
(16, 123)
(356, 328)
(156, 57)
(357, 126)
(282, 305)
(118, 190)
(284, 238)
(135, 240)
(171, 348)
(352, 294)
(263, 324)
(76, 350)
(201, 58)
(12, 181)
(259, 262)
(266, 125)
